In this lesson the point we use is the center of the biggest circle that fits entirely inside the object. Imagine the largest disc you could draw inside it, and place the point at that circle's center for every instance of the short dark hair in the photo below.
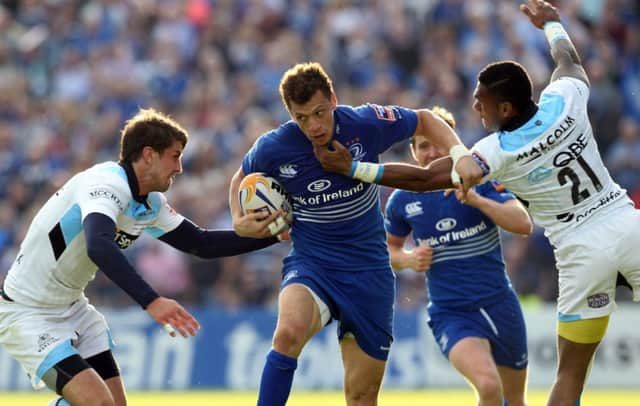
(302, 81)
(149, 128)
(508, 81)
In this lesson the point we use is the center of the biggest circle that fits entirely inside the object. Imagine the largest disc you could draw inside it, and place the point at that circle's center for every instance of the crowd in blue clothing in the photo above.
(71, 72)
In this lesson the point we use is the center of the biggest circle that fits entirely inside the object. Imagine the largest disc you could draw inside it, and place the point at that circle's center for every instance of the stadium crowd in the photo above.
(71, 71)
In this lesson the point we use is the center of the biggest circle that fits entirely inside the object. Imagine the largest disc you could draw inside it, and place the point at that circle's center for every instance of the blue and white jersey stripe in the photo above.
(467, 267)
(337, 220)
(349, 210)
(468, 248)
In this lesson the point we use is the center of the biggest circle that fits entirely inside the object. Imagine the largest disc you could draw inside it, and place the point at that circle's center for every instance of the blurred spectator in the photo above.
(623, 158)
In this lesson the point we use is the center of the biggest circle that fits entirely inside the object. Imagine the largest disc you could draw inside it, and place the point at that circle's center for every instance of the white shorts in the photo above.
(589, 259)
(39, 338)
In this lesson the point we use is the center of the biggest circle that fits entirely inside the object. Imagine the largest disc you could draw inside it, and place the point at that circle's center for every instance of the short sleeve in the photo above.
(168, 219)
(253, 160)
(394, 222)
(572, 90)
(108, 195)
(394, 123)
(489, 151)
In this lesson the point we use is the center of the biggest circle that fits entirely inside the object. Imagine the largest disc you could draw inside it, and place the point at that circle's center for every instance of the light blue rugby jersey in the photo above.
(467, 268)
(52, 267)
(337, 220)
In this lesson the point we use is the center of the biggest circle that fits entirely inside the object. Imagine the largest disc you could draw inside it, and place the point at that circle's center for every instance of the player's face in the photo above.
(425, 152)
(315, 118)
(485, 104)
(166, 166)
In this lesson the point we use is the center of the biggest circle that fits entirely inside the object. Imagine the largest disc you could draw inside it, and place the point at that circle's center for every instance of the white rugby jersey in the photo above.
(552, 162)
(52, 267)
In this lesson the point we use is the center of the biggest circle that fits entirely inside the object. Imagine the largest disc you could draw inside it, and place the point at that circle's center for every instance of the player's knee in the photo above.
(359, 393)
(488, 386)
(289, 337)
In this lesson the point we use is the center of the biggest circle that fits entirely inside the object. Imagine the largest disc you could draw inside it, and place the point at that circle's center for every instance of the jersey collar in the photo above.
(133, 183)
(519, 120)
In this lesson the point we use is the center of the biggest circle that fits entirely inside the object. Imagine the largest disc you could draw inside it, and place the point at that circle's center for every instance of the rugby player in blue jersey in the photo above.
(338, 268)
(46, 322)
(547, 155)
(473, 311)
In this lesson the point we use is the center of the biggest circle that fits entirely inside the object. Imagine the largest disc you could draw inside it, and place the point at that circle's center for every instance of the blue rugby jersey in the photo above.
(337, 220)
(467, 267)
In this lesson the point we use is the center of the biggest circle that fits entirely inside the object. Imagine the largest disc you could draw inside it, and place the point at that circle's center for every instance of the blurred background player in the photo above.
(46, 322)
(339, 265)
(473, 311)
(546, 154)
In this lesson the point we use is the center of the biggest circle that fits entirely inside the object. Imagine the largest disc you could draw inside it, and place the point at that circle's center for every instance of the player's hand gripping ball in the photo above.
(259, 192)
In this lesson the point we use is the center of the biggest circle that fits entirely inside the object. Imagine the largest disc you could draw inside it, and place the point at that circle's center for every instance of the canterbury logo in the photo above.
(288, 171)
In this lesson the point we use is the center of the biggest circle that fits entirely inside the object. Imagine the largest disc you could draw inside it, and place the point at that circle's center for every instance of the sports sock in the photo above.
(277, 377)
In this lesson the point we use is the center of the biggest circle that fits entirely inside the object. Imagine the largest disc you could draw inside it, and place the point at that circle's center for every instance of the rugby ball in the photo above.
(259, 192)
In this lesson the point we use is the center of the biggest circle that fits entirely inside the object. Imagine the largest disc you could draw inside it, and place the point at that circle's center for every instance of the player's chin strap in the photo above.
(456, 152)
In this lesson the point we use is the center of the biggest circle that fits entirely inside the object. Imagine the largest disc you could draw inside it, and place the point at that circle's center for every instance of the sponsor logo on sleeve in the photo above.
(101, 193)
(384, 112)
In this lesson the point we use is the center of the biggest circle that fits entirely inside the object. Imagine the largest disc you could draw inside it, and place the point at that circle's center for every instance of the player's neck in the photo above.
(520, 119)
(136, 178)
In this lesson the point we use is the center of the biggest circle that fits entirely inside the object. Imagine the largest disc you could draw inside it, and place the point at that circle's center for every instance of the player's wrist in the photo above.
(366, 171)
(554, 31)
(456, 152)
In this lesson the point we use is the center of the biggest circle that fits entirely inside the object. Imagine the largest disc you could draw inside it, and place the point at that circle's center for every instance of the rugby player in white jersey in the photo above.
(46, 322)
(546, 154)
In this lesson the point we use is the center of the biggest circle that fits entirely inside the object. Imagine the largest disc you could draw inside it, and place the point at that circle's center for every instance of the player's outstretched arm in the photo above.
(436, 176)
(203, 243)
(99, 230)
(509, 215)
(545, 16)
(464, 172)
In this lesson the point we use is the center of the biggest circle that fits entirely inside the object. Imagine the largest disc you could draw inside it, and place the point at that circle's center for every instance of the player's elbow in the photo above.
(524, 227)
(97, 250)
